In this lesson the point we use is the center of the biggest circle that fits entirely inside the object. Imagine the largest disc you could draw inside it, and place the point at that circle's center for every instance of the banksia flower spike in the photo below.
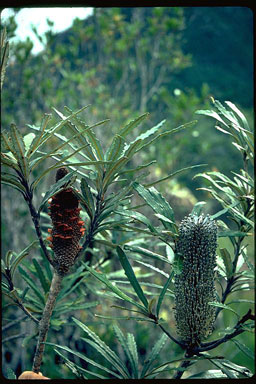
(67, 226)
(194, 285)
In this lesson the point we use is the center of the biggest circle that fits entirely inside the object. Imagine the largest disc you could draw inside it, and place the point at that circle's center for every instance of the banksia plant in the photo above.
(194, 285)
(67, 226)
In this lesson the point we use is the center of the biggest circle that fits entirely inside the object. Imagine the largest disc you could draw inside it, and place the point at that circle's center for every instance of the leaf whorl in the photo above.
(67, 226)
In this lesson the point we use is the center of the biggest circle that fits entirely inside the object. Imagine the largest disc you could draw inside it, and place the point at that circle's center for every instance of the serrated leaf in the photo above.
(165, 133)
(87, 195)
(233, 234)
(131, 343)
(111, 173)
(173, 174)
(115, 148)
(121, 338)
(131, 276)
(112, 357)
(119, 367)
(19, 147)
(132, 124)
(158, 203)
(137, 216)
(60, 164)
(37, 140)
(154, 354)
(82, 357)
(95, 143)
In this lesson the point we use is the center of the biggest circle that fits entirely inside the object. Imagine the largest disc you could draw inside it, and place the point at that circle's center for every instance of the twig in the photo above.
(238, 329)
(45, 320)
(12, 323)
(11, 338)
(171, 337)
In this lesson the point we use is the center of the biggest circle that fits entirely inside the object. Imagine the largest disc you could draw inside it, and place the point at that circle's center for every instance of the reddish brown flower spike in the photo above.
(66, 221)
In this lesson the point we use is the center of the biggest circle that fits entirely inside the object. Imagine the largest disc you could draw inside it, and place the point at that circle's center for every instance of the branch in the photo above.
(171, 337)
(238, 329)
(34, 215)
(45, 320)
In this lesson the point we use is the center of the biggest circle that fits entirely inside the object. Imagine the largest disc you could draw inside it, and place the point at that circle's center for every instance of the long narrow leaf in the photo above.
(113, 288)
(111, 354)
(131, 276)
(163, 292)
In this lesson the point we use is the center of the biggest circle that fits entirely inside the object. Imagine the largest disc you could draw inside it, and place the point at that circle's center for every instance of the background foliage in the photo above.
(124, 62)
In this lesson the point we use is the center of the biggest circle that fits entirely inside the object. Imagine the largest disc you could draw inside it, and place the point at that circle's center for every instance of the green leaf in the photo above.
(211, 114)
(183, 126)
(87, 195)
(76, 369)
(131, 343)
(209, 374)
(112, 172)
(82, 357)
(154, 354)
(227, 261)
(162, 294)
(60, 164)
(30, 282)
(45, 285)
(21, 256)
(61, 184)
(112, 287)
(223, 306)
(103, 347)
(173, 174)
(137, 216)
(248, 352)
(158, 203)
(9, 161)
(239, 113)
(121, 338)
(19, 147)
(107, 357)
(95, 143)
(37, 140)
(225, 370)
(115, 148)
(8, 180)
(147, 253)
(131, 276)
(132, 124)
(28, 139)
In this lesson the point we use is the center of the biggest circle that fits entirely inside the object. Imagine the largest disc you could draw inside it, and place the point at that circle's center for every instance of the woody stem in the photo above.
(45, 320)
